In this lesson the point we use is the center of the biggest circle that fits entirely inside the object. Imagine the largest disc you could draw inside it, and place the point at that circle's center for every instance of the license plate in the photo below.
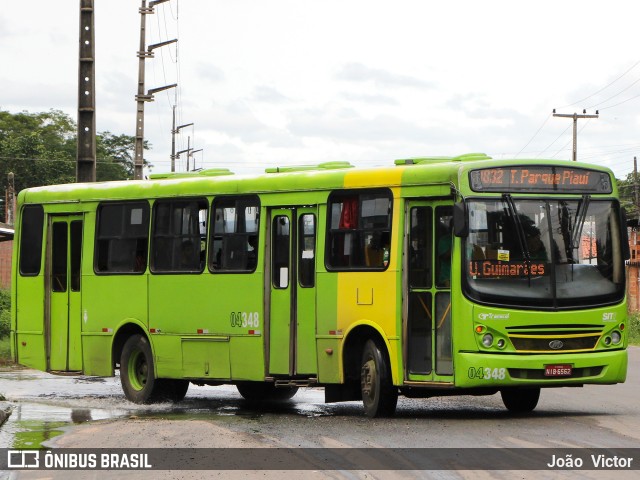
(558, 370)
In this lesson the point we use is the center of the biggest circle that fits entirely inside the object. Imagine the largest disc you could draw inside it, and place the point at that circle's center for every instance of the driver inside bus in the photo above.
(535, 246)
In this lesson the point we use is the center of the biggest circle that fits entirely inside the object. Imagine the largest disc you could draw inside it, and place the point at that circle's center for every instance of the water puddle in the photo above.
(44, 405)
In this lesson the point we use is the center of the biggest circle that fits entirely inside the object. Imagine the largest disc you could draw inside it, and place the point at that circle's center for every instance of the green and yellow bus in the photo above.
(432, 276)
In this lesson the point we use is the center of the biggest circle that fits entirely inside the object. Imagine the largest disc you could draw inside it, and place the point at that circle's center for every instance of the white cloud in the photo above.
(295, 81)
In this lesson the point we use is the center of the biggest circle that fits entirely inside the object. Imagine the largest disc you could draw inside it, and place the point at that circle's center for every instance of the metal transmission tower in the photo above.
(575, 117)
(86, 149)
(141, 97)
(190, 151)
(174, 130)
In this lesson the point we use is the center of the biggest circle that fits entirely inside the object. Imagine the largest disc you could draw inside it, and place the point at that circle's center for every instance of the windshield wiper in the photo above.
(576, 231)
(522, 238)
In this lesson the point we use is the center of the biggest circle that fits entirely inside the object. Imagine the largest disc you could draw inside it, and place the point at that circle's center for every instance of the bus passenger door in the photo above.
(292, 294)
(63, 298)
(428, 344)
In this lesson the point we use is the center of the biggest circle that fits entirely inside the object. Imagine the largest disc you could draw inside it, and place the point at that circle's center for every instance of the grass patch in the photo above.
(5, 351)
(633, 323)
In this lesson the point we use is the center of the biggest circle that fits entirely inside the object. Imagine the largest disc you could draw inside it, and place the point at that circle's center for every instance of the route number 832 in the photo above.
(245, 319)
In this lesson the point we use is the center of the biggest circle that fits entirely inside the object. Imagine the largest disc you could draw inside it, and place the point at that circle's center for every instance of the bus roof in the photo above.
(324, 176)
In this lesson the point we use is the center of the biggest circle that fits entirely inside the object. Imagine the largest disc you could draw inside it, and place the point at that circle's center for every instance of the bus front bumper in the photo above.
(475, 369)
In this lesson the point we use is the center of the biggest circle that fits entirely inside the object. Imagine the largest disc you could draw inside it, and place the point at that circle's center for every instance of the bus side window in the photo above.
(444, 228)
(306, 249)
(32, 222)
(122, 233)
(177, 244)
(234, 236)
(420, 240)
(359, 230)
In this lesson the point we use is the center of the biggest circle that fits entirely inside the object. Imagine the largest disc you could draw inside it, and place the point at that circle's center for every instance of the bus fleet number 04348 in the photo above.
(245, 319)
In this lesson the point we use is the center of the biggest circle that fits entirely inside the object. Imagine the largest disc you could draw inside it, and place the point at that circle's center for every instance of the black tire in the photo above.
(259, 391)
(172, 390)
(520, 400)
(137, 371)
(379, 396)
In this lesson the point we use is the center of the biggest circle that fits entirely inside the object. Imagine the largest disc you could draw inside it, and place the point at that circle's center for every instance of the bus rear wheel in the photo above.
(379, 396)
(137, 374)
(520, 400)
(172, 390)
(257, 391)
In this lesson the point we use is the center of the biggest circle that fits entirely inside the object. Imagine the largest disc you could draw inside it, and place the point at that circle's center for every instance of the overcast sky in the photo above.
(280, 82)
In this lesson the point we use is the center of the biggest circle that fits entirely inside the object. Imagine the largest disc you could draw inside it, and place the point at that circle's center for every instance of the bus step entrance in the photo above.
(293, 382)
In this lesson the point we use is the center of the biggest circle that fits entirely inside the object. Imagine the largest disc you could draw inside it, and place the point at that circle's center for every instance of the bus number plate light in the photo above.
(558, 370)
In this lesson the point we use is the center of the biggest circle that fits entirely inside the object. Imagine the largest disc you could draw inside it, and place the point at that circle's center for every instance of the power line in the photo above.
(534, 135)
(614, 96)
(605, 87)
(625, 101)
(557, 138)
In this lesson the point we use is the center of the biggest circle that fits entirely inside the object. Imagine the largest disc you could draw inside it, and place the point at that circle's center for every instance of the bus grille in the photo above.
(554, 342)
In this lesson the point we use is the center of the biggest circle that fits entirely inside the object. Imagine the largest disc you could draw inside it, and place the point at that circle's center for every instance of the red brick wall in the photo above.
(5, 263)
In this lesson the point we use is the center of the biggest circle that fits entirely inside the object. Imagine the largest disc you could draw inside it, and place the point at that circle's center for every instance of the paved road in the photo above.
(93, 413)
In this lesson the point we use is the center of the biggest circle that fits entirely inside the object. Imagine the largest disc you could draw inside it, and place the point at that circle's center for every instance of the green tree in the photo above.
(627, 196)
(118, 150)
(37, 148)
(40, 149)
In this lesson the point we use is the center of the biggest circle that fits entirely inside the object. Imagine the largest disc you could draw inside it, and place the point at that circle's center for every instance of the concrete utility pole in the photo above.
(575, 117)
(141, 97)
(86, 150)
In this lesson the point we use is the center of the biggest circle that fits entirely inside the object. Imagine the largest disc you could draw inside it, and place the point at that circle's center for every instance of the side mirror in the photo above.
(460, 219)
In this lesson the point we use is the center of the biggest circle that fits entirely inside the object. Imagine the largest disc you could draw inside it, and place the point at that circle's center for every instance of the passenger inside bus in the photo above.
(188, 256)
(377, 249)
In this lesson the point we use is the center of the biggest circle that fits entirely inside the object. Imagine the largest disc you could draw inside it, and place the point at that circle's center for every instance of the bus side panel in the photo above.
(327, 335)
(214, 307)
(96, 352)
(109, 301)
(247, 360)
(167, 351)
(30, 338)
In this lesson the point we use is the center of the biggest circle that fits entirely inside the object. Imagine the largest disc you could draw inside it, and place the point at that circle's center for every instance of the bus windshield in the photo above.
(533, 253)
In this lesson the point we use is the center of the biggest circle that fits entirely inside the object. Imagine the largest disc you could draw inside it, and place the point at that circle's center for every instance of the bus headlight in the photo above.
(616, 337)
(500, 343)
(487, 340)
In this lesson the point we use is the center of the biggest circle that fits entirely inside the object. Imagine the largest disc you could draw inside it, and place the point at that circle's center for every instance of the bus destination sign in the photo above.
(539, 179)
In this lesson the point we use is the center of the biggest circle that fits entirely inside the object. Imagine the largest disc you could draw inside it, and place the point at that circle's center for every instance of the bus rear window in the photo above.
(31, 240)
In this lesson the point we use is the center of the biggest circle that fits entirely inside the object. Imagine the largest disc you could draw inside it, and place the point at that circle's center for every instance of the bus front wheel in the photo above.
(379, 396)
(137, 372)
(520, 400)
